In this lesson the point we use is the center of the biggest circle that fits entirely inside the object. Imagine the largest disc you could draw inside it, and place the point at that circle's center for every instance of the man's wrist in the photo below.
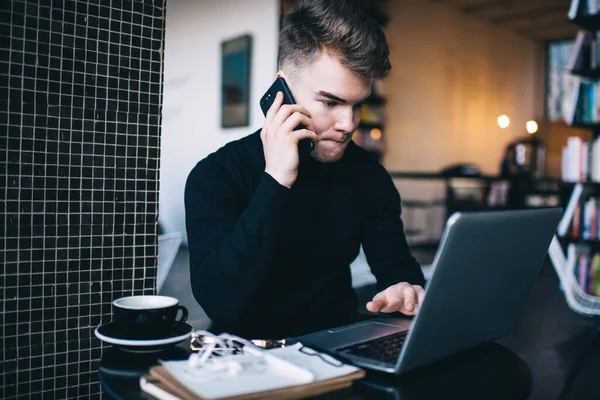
(281, 179)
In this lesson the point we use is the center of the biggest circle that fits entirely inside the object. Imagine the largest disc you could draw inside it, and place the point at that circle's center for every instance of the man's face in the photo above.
(333, 95)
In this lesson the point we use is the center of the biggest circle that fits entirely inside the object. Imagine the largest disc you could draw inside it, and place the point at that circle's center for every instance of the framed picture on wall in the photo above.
(235, 81)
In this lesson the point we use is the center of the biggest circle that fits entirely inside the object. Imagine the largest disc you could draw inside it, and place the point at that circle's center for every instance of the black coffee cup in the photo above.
(149, 309)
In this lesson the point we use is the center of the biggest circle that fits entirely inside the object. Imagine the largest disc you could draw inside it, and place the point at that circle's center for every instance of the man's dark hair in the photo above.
(339, 28)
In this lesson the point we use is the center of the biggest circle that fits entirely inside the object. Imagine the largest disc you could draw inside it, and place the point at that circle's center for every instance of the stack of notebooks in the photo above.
(293, 372)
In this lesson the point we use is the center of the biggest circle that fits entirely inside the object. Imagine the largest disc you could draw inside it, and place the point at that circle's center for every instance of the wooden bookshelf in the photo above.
(570, 239)
(588, 73)
(584, 62)
(581, 218)
(370, 125)
(592, 184)
(593, 127)
(587, 22)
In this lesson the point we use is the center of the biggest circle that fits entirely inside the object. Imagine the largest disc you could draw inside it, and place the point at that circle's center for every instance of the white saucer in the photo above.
(143, 338)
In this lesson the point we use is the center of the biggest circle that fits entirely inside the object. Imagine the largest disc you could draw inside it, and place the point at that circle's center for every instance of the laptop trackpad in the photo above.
(346, 335)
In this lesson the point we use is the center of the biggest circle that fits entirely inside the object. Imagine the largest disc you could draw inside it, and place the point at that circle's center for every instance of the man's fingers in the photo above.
(373, 307)
(305, 134)
(387, 302)
(285, 111)
(409, 295)
(393, 304)
(272, 112)
(420, 295)
(378, 303)
(297, 118)
(402, 297)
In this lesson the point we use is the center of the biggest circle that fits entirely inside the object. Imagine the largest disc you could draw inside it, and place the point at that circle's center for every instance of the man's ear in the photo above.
(281, 74)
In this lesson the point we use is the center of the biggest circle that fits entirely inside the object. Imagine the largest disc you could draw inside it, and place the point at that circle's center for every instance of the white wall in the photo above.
(191, 113)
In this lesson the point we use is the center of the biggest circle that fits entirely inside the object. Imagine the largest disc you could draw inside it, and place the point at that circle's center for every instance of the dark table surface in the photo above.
(490, 371)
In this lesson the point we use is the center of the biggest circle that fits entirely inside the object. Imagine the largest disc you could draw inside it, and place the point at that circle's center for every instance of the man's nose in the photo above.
(345, 120)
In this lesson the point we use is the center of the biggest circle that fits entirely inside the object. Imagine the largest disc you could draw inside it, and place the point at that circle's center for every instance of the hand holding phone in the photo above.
(286, 126)
(305, 146)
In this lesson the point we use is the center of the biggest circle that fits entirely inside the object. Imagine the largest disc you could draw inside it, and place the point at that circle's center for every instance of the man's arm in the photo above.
(384, 241)
(229, 251)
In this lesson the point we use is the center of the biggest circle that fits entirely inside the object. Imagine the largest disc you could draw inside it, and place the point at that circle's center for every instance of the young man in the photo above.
(272, 234)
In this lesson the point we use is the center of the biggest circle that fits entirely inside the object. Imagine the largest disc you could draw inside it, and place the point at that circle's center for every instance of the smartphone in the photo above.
(305, 146)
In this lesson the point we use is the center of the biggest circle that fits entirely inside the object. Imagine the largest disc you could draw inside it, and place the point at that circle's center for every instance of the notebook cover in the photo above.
(160, 377)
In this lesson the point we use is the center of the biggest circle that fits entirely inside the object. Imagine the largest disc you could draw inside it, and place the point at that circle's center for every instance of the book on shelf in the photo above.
(581, 160)
(583, 220)
(576, 223)
(565, 222)
(597, 50)
(575, 9)
(593, 6)
(584, 104)
(583, 52)
(586, 267)
(571, 103)
(581, 8)
(590, 219)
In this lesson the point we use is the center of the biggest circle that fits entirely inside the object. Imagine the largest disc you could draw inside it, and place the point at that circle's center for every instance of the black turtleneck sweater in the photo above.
(269, 262)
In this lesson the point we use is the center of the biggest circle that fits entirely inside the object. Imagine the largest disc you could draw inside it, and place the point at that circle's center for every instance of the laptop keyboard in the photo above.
(385, 348)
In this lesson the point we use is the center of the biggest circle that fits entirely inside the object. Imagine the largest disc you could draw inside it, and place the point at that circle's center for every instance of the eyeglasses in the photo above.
(328, 359)
(199, 342)
(211, 345)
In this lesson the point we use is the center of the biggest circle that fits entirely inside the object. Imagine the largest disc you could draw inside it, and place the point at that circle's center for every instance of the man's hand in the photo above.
(402, 297)
(280, 140)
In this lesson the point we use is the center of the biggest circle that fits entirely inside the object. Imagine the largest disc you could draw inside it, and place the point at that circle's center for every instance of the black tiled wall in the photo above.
(80, 100)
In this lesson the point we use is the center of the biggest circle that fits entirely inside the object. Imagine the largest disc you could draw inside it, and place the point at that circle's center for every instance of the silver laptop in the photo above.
(483, 272)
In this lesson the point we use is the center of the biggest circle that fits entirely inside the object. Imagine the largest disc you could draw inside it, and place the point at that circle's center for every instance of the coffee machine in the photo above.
(531, 155)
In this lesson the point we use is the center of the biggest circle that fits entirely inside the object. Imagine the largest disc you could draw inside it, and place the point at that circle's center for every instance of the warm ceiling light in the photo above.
(503, 121)
(531, 127)
(375, 134)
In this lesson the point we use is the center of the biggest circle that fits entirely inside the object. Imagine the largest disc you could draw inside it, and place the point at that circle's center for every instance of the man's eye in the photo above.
(329, 104)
